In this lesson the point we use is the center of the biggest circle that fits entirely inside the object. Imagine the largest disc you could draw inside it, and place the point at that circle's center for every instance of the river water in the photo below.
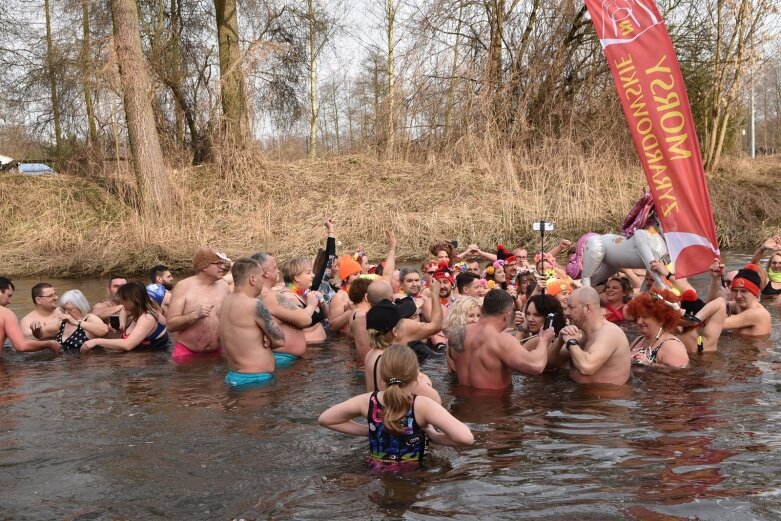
(134, 436)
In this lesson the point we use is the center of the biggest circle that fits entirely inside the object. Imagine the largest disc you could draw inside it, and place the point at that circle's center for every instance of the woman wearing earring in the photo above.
(657, 315)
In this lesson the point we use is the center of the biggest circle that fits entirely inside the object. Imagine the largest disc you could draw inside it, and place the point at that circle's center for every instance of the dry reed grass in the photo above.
(74, 226)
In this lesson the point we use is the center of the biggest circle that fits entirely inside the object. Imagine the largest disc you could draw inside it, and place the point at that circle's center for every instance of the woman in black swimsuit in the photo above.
(76, 325)
(656, 318)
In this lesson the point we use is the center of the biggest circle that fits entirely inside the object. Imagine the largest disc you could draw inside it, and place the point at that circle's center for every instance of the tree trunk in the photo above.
(151, 177)
(234, 108)
(451, 90)
(52, 80)
(313, 108)
(92, 136)
(176, 69)
(391, 19)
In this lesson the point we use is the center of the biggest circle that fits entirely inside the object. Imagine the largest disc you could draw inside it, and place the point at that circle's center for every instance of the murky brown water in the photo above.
(133, 436)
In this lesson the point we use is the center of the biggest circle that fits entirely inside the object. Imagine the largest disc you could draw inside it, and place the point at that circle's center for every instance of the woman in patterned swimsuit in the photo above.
(76, 324)
(657, 314)
(399, 423)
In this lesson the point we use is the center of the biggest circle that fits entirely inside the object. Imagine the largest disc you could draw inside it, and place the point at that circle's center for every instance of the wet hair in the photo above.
(496, 302)
(545, 305)
(399, 364)
(135, 294)
(76, 298)
(242, 268)
(651, 305)
(157, 271)
(295, 266)
(358, 289)
(6, 283)
(457, 312)
(406, 271)
(465, 278)
(625, 285)
(37, 290)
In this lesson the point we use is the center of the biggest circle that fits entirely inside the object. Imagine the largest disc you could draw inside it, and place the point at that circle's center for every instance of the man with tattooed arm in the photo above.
(485, 356)
(247, 329)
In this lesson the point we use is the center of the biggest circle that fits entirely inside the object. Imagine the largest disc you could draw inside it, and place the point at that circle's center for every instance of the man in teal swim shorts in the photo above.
(248, 332)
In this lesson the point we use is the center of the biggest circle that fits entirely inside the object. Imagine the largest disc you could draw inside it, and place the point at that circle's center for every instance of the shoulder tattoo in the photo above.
(285, 303)
(270, 325)
(455, 338)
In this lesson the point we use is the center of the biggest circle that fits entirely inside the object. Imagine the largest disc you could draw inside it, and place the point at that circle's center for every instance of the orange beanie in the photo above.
(348, 266)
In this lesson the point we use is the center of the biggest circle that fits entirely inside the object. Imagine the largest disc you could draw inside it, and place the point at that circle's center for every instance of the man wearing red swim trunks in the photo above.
(195, 306)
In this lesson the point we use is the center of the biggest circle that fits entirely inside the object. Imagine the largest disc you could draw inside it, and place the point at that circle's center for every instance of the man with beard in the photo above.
(446, 297)
(160, 288)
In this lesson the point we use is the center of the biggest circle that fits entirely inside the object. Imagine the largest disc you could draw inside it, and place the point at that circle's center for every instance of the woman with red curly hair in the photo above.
(657, 314)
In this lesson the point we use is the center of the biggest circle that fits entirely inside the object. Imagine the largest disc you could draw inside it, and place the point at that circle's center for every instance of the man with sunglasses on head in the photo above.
(46, 307)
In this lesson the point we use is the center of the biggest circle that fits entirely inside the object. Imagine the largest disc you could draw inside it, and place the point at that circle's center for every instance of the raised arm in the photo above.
(330, 254)
(422, 330)
(681, 284)
(390, 258)
(716, 273)
(563, 245)
(473, 250)
(772, 244)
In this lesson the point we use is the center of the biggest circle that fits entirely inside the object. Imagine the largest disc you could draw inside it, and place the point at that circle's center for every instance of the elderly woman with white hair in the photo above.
(76, 324)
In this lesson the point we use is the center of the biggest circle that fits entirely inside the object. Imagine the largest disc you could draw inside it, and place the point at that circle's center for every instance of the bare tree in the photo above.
(234, 107)
(151, 177)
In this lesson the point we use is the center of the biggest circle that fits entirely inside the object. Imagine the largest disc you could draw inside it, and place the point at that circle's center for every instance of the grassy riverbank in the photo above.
(74, 226)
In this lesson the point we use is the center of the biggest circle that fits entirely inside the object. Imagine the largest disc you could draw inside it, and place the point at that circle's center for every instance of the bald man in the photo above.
(408, 331)
(597, 350)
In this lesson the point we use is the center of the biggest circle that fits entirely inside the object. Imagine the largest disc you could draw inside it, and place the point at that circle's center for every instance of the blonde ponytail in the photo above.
(398, 367)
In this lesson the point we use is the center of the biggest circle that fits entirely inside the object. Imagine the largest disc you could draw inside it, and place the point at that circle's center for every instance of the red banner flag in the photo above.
(653, 96)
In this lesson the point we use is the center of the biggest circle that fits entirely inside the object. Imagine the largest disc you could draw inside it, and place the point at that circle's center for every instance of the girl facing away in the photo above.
(399, 423)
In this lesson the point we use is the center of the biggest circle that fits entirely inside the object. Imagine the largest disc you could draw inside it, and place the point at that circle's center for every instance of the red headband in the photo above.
(740, 282)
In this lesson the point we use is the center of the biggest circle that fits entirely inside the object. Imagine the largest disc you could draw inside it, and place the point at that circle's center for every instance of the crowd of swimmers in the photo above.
(489, 314)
